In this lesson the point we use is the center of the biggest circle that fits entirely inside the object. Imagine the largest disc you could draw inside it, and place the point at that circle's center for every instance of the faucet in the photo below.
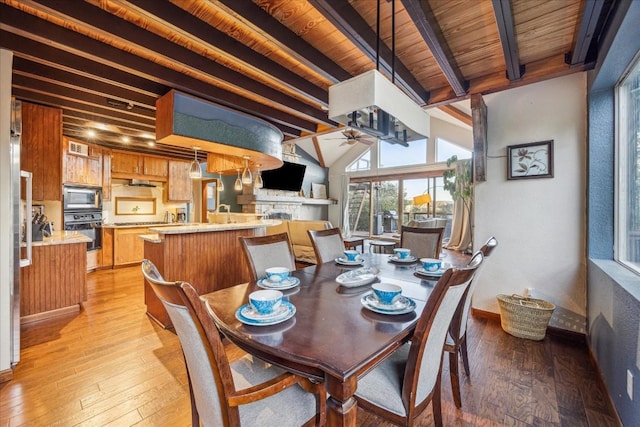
(228, 208)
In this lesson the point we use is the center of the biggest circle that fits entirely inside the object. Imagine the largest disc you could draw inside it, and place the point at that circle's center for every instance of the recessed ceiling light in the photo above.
(125, 139)
(151, 144)
(147, 135)
(91, 133)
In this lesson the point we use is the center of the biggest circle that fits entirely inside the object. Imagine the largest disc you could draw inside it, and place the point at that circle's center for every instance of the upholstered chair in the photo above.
(263, 252)
(423, 242)
(327, 244)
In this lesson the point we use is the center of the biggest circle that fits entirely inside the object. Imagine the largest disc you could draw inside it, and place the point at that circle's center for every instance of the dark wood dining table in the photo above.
(331, 337)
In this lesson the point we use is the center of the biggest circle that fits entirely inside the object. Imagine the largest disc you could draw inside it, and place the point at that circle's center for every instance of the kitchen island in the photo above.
(209, 256)
(56, 281)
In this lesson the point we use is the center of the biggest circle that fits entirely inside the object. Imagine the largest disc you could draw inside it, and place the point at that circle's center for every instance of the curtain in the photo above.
(346, 227)
(460, 239)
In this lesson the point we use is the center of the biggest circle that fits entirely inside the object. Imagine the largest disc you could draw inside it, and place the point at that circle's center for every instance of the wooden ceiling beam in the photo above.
(318, 148)
(349, 22)
(285, 39)
(219, 41)
(105, 24)
(422, 16)
(585, 49)
(507, 30)
(457, 114)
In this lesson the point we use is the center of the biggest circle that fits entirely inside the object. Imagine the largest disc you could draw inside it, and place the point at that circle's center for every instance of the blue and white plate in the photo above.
(288, 283)
(355, 278)
(403, 305)
(247, 315)
(408, 260)
(344, 261)
(422, 272)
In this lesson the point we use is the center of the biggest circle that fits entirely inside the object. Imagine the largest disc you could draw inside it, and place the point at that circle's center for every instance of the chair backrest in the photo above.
(488, 247)
(210, 379)
(424, 362)
(327, 244)
(263, 252)
(423, 242)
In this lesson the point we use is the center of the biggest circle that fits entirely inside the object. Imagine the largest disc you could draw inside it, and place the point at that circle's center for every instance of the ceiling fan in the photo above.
(352, 136)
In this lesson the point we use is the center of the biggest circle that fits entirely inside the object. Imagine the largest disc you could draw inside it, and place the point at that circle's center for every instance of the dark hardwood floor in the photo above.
(111, 365)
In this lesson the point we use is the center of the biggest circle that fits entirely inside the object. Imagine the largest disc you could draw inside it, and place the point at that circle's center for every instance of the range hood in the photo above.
(140, 183)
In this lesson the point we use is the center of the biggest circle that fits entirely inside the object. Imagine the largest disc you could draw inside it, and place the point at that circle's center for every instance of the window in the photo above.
(628, 180)
(392, 155)
(362, 164)
(446, 149)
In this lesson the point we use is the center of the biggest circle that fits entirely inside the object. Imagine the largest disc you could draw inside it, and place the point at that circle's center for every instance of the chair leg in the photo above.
(436, 401)
(455, 380)
(464, 354)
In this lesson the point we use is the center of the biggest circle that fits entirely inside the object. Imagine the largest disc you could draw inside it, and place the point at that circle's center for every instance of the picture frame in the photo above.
(530, 160)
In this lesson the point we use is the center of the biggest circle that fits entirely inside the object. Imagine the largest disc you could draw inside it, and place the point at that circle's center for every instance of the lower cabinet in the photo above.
(128, 248)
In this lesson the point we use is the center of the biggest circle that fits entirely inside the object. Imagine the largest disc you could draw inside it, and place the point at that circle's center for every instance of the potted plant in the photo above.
(458, 181)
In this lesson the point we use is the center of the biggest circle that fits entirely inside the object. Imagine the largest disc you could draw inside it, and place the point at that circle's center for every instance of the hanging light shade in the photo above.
(195, 172)
(220, 183)
(246, 173)
(238, 184)
(258, 182)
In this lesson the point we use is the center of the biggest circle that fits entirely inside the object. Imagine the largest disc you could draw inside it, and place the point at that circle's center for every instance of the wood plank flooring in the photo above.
(111, 365)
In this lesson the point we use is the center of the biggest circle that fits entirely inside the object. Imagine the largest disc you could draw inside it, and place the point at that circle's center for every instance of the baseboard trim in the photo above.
(32, 318)
(6, 375)
(603, 383)
(551, 330)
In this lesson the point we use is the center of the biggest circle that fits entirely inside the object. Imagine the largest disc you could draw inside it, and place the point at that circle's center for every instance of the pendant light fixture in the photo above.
(238, 184)
(194, 171)
(258, 182)
(220, 183)
(246, 173)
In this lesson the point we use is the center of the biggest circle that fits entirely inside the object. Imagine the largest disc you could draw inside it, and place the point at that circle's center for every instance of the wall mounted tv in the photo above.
(288, 177)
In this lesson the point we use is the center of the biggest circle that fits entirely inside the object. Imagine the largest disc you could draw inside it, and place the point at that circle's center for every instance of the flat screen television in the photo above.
(288, 177)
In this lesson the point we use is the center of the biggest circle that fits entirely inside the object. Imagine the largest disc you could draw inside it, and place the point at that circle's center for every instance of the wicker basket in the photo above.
(525, 317)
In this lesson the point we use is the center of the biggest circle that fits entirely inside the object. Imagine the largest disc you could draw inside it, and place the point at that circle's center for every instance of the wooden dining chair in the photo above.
(423, 242)
(248, 391)
(403, 385)
(456, 342)
(263, 252)
(327, 244)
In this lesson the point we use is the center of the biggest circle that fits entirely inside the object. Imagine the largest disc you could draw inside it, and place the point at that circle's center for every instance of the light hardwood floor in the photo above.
(111, 365)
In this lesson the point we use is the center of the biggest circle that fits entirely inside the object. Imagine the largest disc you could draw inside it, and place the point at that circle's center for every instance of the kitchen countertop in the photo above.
(206, 228)
(62, 238)
(142, 224)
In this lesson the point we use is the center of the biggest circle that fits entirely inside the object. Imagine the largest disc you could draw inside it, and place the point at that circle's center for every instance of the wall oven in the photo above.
(82, 210)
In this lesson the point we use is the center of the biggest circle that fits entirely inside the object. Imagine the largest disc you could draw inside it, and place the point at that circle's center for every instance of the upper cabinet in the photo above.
(83, 164)
(129, 165)
(179, 185)
(41, 151)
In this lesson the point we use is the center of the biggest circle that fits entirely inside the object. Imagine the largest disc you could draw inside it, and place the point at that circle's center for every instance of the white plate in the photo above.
(288, 283)
(402, 306)
(350, 280)
(408, 260)
(422, 272)
(249, 316)
(358, 261)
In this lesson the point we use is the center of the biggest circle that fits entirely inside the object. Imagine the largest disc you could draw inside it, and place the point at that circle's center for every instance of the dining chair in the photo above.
(402, 386)
(327, 244)
(263, 252)
(247, 391)
(423, 242)
(456, 342)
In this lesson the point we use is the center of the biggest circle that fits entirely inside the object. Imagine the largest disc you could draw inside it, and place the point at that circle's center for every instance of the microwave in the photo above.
(81, 198)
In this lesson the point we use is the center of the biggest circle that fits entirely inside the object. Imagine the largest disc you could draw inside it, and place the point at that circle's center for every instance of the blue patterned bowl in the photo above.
(431, 264)
(277, 274)
(264, 302)
(386, 293)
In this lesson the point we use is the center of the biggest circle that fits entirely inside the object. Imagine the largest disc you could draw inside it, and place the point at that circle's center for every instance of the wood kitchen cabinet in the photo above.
(106, 175)
(179, 186)
(128, 165)
(155, 166)
(41, 151)
(106, 252)
(128, 248)
(82, 169)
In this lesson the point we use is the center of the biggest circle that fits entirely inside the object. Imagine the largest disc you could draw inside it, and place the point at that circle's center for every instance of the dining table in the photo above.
(333, 336)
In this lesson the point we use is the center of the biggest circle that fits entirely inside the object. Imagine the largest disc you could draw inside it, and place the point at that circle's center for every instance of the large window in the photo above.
(392, 155)
(446, 149)
(628, 181)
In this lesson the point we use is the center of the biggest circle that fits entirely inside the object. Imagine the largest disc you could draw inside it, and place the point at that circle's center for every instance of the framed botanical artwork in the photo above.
(531, 160)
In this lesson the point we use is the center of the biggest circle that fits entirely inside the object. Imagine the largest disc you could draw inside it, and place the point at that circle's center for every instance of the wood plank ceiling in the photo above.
(105, 62)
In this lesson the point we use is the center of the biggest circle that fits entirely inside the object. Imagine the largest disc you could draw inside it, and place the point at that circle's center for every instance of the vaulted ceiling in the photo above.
(105, 62)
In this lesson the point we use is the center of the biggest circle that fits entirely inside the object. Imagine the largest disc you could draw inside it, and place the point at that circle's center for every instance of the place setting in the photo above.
(431, 268)
(265, 308)
(278, 278)
(351, 258)
(402, 256)
(387, 298)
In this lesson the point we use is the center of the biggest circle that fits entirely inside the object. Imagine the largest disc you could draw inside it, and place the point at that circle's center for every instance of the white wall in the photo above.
(539, 223)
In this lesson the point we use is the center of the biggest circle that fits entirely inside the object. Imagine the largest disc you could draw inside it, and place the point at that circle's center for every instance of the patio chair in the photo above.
(423, 242)
(263, 252)
(327, 244)
(403, 385)
(247, 391)
(456, 343)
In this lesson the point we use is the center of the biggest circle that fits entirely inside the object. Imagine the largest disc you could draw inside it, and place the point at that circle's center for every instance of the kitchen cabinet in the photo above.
(128, 165)
(80, 168)
(41, 151)
(106, 253)
(106, 174)
(179, 186)
(128, 248)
